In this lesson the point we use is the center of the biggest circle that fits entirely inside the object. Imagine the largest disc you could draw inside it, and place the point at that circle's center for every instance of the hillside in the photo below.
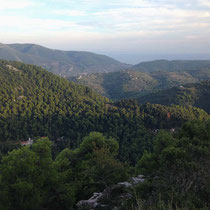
(173, 66)
(117, 85)
(81, 142)
(63, 63)
(197, 95)
(34, 102)
(128, 83)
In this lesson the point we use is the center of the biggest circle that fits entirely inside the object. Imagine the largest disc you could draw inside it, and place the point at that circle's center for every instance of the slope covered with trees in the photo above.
(127, 84)
(34, 102)
(118, 85)
(94, 144)
(31, 98)
(197, 95)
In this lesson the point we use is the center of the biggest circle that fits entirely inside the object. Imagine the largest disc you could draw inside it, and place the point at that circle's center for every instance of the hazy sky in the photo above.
(126, 26)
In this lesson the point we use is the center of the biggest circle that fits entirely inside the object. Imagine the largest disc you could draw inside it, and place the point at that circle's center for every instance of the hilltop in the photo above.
(63, 63)
(173, 66)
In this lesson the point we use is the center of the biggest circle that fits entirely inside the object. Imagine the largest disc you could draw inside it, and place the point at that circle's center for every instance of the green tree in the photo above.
(181, 166)
(29, 179)
(91, 167)
(20, 187)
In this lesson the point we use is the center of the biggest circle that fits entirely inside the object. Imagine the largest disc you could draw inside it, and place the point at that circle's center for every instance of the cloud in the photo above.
(205, 3)
(140, 19)
(21, 25)
(118, 24)
(15, 5)
(67, 12)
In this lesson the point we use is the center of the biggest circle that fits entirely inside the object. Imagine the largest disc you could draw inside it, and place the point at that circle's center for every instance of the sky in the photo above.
(113, 27)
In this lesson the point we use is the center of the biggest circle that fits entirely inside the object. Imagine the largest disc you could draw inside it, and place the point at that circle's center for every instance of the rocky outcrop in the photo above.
(91, 202)
(111, 197)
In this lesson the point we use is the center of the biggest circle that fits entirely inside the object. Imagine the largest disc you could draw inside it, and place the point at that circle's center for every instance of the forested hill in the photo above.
(64, 63)
(34, 102)
(84, 143)
(174, 66)
(129, 83)
(197, 95)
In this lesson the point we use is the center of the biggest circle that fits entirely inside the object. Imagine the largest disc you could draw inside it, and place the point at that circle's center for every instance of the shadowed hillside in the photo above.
(128, 84)
(197, 95)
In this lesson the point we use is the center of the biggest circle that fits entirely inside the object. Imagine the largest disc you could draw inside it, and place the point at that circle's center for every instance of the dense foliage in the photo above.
(31, 179)
(166, 117)
(34, 102)
(174, 175)
(178, 170)
(197, 95)
(75, 162)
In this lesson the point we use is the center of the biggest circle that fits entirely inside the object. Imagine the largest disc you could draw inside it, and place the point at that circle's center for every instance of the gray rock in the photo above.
(126, 184)
(91, 202)
(97, 199)
(136, 180)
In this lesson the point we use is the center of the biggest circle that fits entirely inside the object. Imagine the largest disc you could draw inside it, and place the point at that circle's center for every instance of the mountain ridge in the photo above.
(63, 63)
(171, 65)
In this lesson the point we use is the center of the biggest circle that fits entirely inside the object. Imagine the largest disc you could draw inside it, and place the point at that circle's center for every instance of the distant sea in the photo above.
(135, 58)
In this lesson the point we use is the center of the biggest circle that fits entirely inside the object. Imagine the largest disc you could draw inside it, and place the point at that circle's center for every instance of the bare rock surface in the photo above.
(112, 195)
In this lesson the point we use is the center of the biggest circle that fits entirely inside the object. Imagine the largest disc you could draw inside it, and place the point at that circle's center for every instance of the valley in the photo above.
(104, 105)
(133, 84)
